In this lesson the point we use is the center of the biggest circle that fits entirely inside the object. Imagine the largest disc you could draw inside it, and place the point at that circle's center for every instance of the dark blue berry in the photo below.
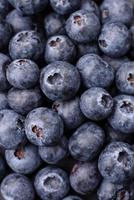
(3, 101)
(51, 183)
(116, 162)
(59, 47)
(29, 7)
(64, 7)
(23, 159)
(23, 73)
(122, 116)
(90, 6)
(54, 154)
(117, 11)
(23, 101)
(96, 103)
(4, 8)
(94, 71)
(88, 48)
(70, 112)
(114, 40)
(84, 177)
(26, 44)
(11, 129)
(5, 34)
(86, 142)
(54, 24)
(16, 186)
(60, 80)
(43, 127)
(19, 22)
(83, 26)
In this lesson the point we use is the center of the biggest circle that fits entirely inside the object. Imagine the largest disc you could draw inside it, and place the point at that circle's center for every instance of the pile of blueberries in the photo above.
(66, 100)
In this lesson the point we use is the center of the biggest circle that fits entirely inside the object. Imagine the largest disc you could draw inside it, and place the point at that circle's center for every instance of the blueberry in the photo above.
(96, 103)
(88, 48)
(12, 129)
(43, 127)
(64, 7)
(19, 22)
(122, 117)
(4, 8)
(29, 7)
(86, 142)
(125, 78)
(114, 40)
(23, 101)
(54, 154)
(83, 26)
(94, 71)
(115, 62)
(23, 73)
(108, 191)
(26, 44)
(72, 198)
(70, 112)
(51, 183)
(113, 135)
(117, 11)
(60, 80)
(3, 169)
(4, 61)
(90, 6)
(5, 34)
(23, 159)
(3, 101)
(16, 186)
(59, 47)
(54, 24)
(116, 162)
(85, 177)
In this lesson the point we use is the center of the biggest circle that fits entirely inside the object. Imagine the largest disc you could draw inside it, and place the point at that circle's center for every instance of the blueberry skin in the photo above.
(43, 127)
(90, 6)
(23, 160)
(23, 73)
(4, 61)
(114, 39)
(60, 81)
(3, 101)
(54, 154)
(59, 47)
(85, 177)
(51, 183)
(16, 186)
(86, 142)
(89, 48)
(122, 116)
(65, 7)
(12, 131)
(18, 21)
(3, 169)
(26, 44)
(54, 24)
(124, 78)
(115, 62)
(117, 11)
(108, 191)
(116, 162)
(29, 7)
(83, 26)
(5, 34)
(72, 198)
(113, 135)
(4, 8)
(94, 71)
(96, 103)
(70, 112)
(23, 101)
